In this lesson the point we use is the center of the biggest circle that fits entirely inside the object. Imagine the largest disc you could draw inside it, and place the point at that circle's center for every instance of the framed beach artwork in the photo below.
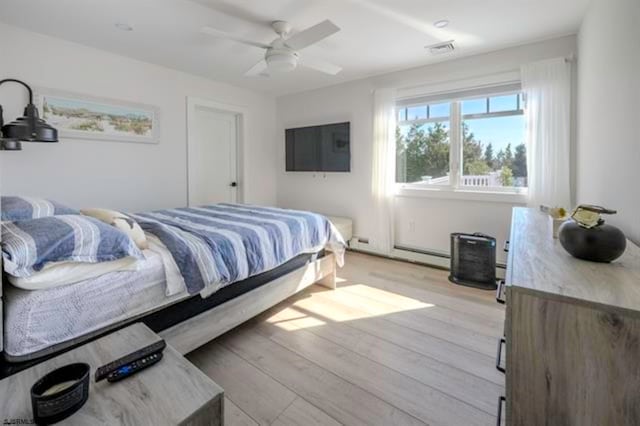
(87, 117)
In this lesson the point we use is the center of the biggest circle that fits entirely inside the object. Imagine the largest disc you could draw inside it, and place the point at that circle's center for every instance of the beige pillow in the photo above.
(122, 222)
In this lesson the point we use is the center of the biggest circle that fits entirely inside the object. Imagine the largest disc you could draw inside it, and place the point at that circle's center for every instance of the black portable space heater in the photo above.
(473, 260)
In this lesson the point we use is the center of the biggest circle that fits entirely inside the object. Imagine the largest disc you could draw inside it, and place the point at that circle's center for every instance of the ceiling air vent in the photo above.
(441, 48)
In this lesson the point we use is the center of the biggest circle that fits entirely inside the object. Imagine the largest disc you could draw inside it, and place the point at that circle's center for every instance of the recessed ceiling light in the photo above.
(124, 27)
(441, 23)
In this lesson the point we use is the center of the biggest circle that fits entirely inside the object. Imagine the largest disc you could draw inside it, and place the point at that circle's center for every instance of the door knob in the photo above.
(234, 184)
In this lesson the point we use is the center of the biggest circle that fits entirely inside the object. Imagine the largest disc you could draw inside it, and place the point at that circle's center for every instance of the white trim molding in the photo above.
(487, 81)
(433, 258)
(481, 194)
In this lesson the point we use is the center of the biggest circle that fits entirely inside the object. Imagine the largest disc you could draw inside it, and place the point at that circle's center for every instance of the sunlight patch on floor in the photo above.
(399, 301)
(293, 319)
(325, 306)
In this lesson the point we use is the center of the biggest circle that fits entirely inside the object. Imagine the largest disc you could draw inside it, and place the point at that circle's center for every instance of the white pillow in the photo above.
(122, 222)
(65, 273)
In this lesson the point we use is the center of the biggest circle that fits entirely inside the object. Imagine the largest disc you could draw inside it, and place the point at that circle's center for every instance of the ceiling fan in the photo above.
(282, 54)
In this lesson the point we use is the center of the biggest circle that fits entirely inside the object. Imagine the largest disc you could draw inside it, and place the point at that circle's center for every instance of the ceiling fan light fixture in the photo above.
(281, 54)
(281, 62)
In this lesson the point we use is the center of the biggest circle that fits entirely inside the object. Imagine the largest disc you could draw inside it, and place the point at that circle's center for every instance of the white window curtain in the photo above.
(547, 89)
(383, 170)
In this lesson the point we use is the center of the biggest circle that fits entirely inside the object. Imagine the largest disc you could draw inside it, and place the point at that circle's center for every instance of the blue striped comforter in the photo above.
(214, 246)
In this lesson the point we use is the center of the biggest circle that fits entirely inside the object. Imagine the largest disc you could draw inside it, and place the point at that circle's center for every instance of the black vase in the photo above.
(604, 243)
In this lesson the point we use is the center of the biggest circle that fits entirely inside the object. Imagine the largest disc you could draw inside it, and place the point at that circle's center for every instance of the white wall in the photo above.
(127, 176)
(349, 194)
(609, 111)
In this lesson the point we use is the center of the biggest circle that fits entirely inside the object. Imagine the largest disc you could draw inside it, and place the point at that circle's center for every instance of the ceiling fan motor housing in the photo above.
(281, 60)
(282, 28)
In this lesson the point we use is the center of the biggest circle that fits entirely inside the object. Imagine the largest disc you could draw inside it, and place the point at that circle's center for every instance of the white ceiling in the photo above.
(376, 36)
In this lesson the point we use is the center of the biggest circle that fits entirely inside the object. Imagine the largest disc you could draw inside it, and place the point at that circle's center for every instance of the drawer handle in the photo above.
(500, 404)
(499, 298)
(499, 366)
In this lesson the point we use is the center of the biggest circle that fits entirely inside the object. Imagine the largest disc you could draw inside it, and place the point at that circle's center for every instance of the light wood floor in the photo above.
(395, 344)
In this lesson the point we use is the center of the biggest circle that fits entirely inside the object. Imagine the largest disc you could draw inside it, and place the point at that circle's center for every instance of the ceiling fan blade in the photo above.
(312, 35)
(320, 65)
(258, 69)
(217, 33)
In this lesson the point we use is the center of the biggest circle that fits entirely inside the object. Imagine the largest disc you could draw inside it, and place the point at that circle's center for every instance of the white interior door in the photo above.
(213, 142)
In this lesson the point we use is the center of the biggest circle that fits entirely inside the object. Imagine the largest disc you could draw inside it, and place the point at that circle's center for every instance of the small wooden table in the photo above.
(172, 392)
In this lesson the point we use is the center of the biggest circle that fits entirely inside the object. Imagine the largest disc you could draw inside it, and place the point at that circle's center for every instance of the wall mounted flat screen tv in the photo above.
(319, 148)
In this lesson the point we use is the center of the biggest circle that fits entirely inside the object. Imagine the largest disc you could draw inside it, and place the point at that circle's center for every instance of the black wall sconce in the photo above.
(29, 128)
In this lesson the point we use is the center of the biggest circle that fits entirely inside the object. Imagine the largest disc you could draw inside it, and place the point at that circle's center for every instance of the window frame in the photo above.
(455, 190)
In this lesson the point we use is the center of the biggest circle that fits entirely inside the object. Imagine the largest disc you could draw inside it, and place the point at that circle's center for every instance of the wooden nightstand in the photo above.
(173, 392)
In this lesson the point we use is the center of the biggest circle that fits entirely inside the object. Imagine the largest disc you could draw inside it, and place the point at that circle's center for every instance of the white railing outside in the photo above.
(490, 180)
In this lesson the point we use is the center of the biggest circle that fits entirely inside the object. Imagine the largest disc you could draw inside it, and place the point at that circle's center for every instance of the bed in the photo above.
(206, 270)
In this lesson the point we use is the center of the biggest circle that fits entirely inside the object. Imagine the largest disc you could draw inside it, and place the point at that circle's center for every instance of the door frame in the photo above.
(241, 114)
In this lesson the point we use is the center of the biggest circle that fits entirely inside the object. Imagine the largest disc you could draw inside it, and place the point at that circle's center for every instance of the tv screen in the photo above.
(319, 148)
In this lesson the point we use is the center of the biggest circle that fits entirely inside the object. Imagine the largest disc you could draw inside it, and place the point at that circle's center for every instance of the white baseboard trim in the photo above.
(420, 256)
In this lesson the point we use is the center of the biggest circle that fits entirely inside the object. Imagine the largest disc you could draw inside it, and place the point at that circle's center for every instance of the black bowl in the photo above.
(53, 407)
(604, 243)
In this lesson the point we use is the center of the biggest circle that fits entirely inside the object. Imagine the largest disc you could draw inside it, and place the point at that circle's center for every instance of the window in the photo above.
(476, 142)
(422, 146)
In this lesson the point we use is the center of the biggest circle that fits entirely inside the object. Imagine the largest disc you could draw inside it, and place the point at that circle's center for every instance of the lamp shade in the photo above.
(30, 128)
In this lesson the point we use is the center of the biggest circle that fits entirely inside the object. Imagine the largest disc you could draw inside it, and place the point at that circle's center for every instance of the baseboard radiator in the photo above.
(414, 255)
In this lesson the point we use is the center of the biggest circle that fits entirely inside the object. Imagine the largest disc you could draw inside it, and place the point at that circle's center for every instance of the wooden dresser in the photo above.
(572, 332)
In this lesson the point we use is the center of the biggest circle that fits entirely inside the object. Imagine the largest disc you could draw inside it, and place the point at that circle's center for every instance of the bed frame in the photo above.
(206, 326)
(200, 329)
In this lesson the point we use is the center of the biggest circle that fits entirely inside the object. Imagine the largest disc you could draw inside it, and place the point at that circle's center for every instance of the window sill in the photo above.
(462, 194)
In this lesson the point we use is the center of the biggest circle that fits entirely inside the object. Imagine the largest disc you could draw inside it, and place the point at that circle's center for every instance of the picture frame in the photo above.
(87, 117)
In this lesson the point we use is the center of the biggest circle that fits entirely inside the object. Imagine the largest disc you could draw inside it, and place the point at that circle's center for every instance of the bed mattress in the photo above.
(193, 251)
(41, 322)
(179, 308)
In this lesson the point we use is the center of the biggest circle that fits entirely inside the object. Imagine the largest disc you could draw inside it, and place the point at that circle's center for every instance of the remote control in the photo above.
(132, 368)
(105, 370)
